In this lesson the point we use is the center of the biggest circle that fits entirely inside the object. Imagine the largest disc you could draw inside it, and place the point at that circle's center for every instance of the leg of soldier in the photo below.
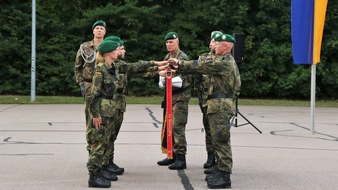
(88, 115)
(220, 132)
(119, 123)
(180, 118)
(115, 128)
(99, 177)
(210, 149)
(89, 121)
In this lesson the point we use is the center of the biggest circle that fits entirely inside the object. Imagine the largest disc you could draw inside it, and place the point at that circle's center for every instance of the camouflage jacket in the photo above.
(202, 81)
(183, 93)
(122, 70)
(224, 76)
(103, 91)
(85, 62)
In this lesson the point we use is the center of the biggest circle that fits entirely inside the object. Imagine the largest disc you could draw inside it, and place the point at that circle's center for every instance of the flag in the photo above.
(307, 24)
(166, 134)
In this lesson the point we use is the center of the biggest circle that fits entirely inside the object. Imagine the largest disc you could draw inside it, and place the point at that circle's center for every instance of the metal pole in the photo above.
(33, 52)
(313, 97)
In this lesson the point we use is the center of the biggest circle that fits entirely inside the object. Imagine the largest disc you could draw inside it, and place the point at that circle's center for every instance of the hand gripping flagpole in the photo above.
(169, 117)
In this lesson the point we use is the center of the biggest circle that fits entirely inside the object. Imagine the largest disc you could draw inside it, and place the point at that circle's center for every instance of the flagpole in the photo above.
(313, 97)
(33, 93)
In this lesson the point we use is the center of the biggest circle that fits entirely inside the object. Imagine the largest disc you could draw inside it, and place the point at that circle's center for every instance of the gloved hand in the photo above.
(161, 82)
(83, 90)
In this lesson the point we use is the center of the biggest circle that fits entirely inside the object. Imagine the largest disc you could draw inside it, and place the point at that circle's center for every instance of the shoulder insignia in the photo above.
(98, 72)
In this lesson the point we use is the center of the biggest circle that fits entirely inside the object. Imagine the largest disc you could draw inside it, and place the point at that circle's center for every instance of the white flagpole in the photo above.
(313, 97)
(33, 52)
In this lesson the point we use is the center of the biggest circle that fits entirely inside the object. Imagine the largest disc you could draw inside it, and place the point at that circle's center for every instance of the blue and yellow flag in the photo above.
(307, 24)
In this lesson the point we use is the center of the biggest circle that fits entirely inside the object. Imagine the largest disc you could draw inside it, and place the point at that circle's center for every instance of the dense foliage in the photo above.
(267, 69)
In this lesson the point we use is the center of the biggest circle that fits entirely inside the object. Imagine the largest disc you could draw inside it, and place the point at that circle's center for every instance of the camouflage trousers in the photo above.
(88, 115)
(180, 118)
(206, 126)
(115, 131)
(99, 139)
(89, 120)
(220, 135)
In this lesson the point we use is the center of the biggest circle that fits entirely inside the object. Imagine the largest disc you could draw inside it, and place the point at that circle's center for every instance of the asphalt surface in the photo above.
(44, 147)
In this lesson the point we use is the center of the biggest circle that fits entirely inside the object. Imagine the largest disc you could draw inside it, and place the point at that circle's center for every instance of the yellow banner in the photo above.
(319, 19)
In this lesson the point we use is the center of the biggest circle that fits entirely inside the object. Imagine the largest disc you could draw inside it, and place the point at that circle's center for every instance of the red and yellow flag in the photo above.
(167, 132)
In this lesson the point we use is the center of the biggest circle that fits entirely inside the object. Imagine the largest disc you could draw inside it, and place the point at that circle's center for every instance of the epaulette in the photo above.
(86, 44)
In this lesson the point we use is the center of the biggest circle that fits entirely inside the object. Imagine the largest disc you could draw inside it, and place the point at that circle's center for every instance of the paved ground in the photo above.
(43, 147)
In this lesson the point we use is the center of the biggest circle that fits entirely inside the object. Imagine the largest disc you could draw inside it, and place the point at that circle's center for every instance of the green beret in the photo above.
(215, 34)
(107, 46)
(115, 39)
(170, 36)
(99, 23)
(225, 38)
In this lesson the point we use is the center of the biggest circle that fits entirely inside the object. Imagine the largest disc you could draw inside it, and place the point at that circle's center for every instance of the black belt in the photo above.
(227, 95)
(107, 97)
(88, 80)
(119, 91)
(176, 91)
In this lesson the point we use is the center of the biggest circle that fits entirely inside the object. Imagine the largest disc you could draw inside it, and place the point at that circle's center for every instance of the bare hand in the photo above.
(160, 63)
(173, 61)
(97, 122)
(162, 68)
(162, 73)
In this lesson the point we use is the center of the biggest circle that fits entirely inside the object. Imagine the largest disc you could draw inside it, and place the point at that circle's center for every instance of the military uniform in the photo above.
(84, 71)
(101, 106)
(201, 82)
(104, 88)
(180, 100)
(224, 75)
(220, 105)
(121, 70)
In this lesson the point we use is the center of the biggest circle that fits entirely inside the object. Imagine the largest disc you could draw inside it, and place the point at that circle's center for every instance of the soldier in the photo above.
(119, 108)
(223, 74)
(201, 82)
(181, 94)
(119, 70)
(85, 66)
(104, 88)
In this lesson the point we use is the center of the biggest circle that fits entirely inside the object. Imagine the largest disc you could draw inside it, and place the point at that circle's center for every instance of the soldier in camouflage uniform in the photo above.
(180, 97)
(121, 69)
(119, 108)
(85, 66)
(223, 75)
(103, 90)
(201, 82)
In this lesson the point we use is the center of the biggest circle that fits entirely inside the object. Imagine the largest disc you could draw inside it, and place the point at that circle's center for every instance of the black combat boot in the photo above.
(221, 180)
(107, 175)
(98, 181)
(210, 170)
(210, 161)
(179, 163)
(166, 161)
(112, 167)
(212, 176)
